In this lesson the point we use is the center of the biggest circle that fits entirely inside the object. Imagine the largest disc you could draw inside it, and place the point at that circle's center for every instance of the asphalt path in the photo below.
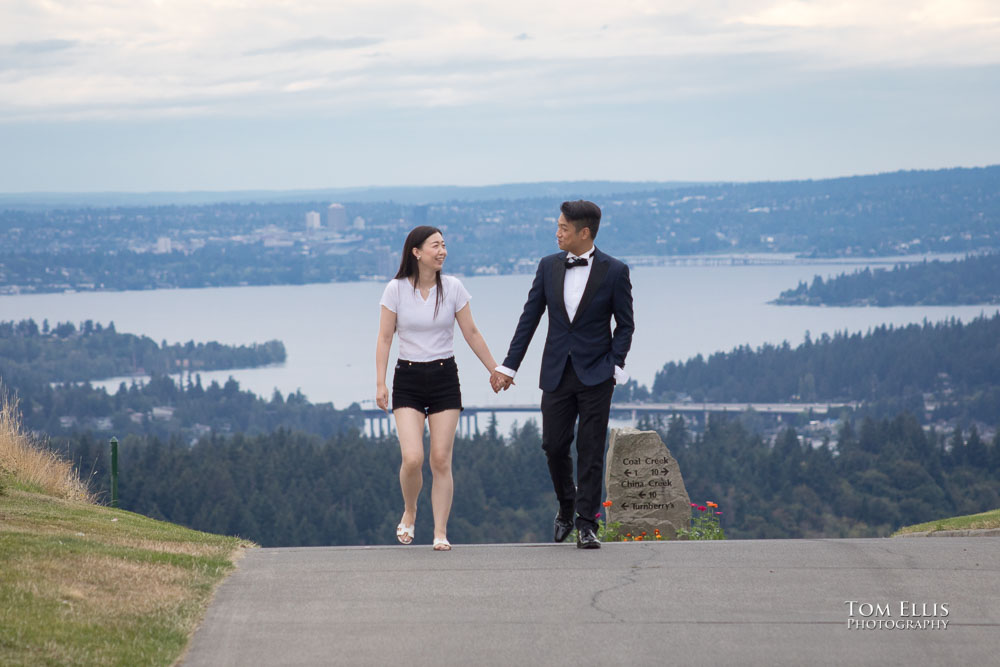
(914, 602)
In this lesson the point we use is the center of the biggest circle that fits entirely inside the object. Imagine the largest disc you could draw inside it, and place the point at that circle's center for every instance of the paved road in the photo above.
(753, 602)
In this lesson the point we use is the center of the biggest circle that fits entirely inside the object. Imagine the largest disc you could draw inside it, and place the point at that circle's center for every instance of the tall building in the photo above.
(386, 261)
(420, 214)
(313, 220)
(336, 217)
(163, 245)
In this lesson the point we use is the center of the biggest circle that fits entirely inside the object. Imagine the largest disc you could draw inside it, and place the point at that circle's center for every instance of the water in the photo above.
(329, 329)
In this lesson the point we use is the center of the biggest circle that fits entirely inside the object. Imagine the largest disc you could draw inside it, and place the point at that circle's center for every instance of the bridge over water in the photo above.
(379, 421)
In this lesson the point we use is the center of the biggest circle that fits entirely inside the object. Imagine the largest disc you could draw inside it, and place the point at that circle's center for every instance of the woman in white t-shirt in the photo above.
(422, 306)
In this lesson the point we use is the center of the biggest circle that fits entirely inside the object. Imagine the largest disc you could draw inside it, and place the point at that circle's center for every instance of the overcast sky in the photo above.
(146, 95)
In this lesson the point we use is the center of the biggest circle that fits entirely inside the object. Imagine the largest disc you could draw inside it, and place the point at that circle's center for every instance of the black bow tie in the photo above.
(576, 261)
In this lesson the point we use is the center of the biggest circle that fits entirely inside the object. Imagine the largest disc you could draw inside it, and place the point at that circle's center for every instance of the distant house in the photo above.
(163, 412)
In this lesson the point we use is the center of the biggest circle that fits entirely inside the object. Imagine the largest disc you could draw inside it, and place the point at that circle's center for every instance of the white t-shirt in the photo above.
(423, 337)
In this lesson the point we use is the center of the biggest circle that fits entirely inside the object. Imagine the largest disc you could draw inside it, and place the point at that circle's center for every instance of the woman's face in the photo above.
(432, 253)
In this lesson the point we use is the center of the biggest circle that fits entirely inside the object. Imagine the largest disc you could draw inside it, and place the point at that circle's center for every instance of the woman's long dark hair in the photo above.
(408, 267)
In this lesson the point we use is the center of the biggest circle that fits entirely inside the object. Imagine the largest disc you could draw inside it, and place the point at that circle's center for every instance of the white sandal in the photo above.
(441, 544)
(404, 534)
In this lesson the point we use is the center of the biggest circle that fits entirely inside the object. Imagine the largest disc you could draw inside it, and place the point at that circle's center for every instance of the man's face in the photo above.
(569, 238)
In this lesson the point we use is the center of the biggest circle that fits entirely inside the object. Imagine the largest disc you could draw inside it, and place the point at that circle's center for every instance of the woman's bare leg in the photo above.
(443, 425)
(410, 429)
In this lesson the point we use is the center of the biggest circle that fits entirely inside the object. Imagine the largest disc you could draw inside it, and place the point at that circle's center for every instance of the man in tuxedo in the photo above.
(582, 288)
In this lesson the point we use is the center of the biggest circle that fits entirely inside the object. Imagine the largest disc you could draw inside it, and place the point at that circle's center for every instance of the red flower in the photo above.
(597, 516)
(702, 508)
(607, 503)
(693, 505)
(718, 512)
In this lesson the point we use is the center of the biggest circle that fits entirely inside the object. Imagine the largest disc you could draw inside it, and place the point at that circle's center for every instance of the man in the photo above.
(582, 288)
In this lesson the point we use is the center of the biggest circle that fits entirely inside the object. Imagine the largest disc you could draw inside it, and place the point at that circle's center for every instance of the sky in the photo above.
(164, 95)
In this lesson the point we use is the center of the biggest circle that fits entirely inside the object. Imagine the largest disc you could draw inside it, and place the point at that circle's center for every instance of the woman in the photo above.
(422, 306)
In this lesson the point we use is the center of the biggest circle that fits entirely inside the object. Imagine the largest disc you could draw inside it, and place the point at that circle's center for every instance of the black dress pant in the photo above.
(560, 409)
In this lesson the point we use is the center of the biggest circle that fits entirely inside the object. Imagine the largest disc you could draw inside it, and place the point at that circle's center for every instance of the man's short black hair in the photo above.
(582, 213)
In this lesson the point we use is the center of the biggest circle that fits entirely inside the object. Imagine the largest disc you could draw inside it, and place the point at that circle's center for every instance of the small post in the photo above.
(114, 472)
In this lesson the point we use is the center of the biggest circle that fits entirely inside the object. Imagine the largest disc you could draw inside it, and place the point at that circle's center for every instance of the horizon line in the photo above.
(366, 188)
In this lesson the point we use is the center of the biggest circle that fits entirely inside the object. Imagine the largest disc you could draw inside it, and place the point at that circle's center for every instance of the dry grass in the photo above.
(102, 588)
(84, 584)
(983, 521)
(23, 460)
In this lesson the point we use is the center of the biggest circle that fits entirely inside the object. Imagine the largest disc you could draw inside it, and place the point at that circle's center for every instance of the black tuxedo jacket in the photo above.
(588, 340)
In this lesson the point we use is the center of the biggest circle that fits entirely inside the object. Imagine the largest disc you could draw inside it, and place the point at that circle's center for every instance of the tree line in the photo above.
(48, 370)
(972, 280)
(290, 488)
(950, 366)
(167, 407)
(67, 353)
(879, 475)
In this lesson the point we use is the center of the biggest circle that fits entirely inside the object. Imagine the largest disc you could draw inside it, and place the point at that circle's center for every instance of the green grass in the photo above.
(984, 520)
(83, 584)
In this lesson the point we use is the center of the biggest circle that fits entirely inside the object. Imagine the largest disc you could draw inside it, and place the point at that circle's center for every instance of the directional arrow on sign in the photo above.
(642, 494)
(628, 473)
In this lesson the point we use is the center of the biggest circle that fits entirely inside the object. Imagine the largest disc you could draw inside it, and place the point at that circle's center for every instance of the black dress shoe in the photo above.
(563, 529)
(587, 539)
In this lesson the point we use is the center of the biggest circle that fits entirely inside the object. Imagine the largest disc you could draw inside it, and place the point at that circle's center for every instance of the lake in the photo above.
(329, 329)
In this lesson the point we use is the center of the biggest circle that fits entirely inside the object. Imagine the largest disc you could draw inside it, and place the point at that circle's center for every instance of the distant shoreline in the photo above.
(703, 259)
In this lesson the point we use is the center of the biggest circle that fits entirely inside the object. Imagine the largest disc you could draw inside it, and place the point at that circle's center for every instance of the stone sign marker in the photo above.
(644, 485)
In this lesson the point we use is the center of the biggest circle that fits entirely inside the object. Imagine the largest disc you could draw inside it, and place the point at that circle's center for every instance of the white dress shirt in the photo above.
(573, 287)
(576, 282)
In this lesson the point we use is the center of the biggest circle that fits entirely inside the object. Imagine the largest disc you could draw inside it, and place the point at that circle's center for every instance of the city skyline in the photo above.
(163, 96)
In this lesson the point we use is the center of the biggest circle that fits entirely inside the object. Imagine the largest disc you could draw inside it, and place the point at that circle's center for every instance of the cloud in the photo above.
(41, 46)
(125, 58)
(316, 44)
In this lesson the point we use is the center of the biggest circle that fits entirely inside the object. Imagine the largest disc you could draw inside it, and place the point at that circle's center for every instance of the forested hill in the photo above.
(952, 364)
(972, 280)
(67, 353)
(49, 369)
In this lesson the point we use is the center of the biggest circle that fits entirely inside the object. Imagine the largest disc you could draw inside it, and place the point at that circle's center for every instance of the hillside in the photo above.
(85, 584)
(948, 368)
(972, 280)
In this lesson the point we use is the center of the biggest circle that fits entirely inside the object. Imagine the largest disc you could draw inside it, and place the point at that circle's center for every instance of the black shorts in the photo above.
(427, 386)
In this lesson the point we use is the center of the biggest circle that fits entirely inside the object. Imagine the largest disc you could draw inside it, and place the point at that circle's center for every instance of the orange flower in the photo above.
(711, 504)
(607, 503)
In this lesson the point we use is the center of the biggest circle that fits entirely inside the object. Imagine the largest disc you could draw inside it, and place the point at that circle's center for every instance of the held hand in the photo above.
(500, 381)
(382, 397)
